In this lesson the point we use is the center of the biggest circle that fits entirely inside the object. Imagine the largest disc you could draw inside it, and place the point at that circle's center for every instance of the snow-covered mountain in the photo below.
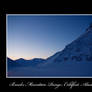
(79, 50)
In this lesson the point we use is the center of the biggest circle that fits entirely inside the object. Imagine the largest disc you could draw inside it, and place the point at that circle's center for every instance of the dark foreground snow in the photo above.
(67, 69)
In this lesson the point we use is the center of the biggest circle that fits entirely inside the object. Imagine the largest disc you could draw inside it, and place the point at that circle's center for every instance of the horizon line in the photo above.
(25, 58)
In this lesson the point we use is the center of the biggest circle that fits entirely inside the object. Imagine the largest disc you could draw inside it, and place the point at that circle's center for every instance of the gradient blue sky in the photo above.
(40, 36)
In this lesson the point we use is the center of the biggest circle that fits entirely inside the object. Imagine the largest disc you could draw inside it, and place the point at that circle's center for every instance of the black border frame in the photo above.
(7, 81)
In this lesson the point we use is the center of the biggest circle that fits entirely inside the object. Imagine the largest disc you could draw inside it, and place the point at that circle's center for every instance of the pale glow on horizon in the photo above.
(27, 58)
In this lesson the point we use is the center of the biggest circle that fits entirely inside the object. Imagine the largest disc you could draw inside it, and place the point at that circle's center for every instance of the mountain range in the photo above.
(74, 60)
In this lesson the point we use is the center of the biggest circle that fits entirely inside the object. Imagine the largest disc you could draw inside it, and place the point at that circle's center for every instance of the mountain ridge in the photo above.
(81, 46)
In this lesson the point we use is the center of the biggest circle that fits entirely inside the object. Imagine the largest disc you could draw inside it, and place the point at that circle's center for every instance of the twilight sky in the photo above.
(40, 36)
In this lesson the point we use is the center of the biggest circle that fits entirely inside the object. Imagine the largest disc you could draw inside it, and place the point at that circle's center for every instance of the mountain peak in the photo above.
(20, 59)
(78, 50)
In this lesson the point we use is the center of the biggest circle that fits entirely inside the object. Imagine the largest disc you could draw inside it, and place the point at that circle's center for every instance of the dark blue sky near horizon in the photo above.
(40, 36)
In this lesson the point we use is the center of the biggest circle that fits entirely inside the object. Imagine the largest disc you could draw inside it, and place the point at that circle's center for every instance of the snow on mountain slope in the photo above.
(79, 50)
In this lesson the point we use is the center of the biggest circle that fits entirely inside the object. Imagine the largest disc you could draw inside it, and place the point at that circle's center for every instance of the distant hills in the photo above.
(22, 62)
